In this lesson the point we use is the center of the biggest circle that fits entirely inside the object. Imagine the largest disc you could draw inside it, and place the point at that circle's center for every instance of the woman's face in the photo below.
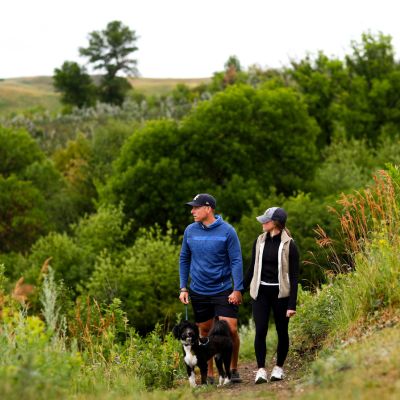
(269, 226)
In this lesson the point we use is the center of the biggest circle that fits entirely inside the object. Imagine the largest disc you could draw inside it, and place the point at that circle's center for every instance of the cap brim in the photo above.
(262, 219)
(193, 204)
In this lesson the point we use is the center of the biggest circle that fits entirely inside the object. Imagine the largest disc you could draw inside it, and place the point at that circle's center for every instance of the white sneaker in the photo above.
(277, 374)
(261, 376)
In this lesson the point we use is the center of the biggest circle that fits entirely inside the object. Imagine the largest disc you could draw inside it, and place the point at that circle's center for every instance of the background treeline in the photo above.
(101, 190)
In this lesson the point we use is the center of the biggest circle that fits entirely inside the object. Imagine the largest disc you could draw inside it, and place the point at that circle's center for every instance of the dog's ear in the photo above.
(176, 331)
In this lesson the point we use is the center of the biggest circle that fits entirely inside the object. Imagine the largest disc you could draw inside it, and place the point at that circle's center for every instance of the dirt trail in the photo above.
(248, 389)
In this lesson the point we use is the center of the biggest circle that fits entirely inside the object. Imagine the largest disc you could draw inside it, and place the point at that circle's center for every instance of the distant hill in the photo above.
(150, 86)
(19, 94)
(25, 93)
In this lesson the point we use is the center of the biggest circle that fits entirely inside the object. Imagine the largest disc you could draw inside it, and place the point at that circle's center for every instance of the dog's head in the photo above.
(187, 332)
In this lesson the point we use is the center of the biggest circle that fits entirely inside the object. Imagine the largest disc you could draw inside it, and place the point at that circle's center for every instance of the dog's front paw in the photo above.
(227, 381)
(192, 381)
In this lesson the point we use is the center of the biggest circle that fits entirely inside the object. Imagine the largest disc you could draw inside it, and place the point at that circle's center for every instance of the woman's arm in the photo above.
(294, 262)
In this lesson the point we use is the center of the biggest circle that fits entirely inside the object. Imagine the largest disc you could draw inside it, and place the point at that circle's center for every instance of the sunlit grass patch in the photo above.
(365, 369)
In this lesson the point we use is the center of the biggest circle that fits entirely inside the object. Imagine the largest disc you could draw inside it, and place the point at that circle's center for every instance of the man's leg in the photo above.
(233, 326)
(204, 328)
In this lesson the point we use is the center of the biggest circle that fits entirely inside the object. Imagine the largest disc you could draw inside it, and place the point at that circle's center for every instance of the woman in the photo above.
(272, 277)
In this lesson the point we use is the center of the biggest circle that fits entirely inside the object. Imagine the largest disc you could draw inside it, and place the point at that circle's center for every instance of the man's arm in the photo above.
(235, 257)
(184, 262)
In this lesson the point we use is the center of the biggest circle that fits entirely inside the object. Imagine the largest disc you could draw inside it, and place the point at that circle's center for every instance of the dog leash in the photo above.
(186, 312)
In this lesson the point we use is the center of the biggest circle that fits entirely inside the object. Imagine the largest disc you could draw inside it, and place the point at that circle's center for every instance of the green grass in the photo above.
(26, 93)
(247, 334)
(155, 86)
(365, 369)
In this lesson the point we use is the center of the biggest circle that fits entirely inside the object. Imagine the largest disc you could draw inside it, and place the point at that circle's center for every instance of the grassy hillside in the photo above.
(151, 86)
(20, 94)
(24, 93)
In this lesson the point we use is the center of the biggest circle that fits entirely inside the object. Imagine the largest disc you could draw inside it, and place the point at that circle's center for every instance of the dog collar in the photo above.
(204, 344)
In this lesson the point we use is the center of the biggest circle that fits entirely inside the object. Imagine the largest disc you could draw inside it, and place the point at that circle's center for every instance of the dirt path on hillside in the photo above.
(248, 389)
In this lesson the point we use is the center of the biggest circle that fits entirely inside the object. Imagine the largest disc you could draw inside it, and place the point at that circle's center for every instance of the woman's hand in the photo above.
(290, 313)
(235, 297)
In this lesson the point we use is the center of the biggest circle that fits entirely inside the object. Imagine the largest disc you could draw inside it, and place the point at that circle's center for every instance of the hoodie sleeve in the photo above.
(250, 271)
(184, 262)
(294, 260)
(235, 257)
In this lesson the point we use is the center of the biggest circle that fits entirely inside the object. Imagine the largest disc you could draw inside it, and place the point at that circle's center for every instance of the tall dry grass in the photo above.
(367, 279)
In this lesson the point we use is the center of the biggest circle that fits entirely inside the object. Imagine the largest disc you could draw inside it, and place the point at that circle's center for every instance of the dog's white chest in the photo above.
(190, 359)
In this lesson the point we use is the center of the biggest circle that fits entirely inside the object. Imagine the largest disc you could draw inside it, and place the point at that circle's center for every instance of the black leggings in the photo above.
(268, 298)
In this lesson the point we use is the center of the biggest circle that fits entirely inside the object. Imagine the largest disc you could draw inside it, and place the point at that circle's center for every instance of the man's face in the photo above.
(201, 213)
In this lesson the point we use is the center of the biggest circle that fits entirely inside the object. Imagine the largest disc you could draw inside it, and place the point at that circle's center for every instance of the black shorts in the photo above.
(206, 307)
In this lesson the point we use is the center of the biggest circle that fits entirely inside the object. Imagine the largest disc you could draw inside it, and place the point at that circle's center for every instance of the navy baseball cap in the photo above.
(203, 199)
(273, 214)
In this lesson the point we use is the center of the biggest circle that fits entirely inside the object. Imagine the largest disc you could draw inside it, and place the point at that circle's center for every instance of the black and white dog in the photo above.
(198, 350)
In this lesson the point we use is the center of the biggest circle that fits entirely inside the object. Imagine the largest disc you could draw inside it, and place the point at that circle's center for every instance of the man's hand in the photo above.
(184, 297)
(235, 297)
(290, 313)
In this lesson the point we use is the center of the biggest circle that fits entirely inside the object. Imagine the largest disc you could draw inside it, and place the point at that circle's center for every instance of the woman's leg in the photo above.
(261, 311)
(279, 308)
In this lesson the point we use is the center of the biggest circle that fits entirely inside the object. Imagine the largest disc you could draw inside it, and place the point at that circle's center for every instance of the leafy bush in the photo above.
(34, 364)
(104, 230)
(146, 280)
(68, 259)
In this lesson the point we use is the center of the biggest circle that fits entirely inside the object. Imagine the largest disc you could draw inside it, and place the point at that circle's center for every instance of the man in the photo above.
(212, 257)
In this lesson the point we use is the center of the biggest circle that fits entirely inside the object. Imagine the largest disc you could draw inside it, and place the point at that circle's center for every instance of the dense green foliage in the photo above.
(98, 194)
(87, 188)
(31, 192)
(212, 150)
(75, 85)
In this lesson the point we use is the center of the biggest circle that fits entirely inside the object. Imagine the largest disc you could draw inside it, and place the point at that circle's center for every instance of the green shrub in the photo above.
(34, 364)
(68, 259)
(146, 280)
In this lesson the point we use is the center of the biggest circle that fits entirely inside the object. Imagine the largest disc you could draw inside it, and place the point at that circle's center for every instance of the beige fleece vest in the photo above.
(283, 265)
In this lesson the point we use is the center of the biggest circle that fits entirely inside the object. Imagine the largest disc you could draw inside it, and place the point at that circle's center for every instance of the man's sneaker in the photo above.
(277, 374)
(210, 380)
(261, 376)
(235, 377)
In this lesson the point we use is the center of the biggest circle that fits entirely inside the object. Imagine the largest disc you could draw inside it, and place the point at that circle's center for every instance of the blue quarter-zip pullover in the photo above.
(212, 256)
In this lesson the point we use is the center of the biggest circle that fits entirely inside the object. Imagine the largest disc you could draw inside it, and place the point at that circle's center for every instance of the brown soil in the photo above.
(249, 390)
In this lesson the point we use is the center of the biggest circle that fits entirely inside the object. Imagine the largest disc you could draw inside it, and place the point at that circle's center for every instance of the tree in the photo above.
(22, 214)
(75, 85)
(27, 182)
(373, 95)
(233, 63)
(109, 50)
(373, 58)
(322, 81)
(17, 151)
(237, 145)
(148, 271)
(73, 161)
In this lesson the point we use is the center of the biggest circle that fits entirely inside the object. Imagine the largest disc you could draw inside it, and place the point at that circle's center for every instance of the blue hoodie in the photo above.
(212, 256)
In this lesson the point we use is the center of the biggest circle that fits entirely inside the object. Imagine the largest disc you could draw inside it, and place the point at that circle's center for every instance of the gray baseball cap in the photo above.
(273, 214)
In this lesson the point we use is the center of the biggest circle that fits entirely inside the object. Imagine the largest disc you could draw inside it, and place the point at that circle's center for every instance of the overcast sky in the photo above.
(188, 38)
